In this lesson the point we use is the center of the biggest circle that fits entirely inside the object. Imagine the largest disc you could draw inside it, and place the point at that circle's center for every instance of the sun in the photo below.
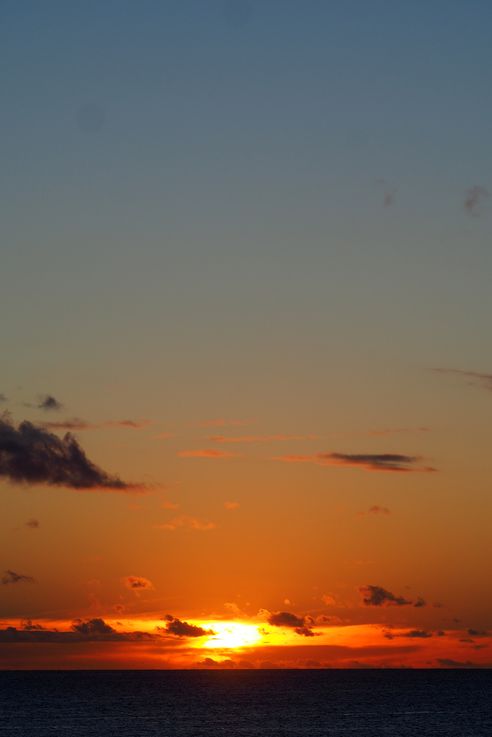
(231, 635)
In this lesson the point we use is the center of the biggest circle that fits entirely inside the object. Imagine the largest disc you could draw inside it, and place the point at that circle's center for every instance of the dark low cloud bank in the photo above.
(300, 625)
(11, 577)
(179, 628)
(32, 455)
(379, 461)
(92, 630)
(377, 596)
(77, 424)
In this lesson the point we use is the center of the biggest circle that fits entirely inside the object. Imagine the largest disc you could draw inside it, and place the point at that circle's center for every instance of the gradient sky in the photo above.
(245, 249)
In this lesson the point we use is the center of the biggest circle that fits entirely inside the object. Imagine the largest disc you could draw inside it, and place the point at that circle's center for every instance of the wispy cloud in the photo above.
(32, 455)
(192, 523)
(11, 577)
(474, 198)
(245, 439)
(76, 424)
(211, 453)
(392, 462)
(378, 509)
(32, 524)
(231, 505)
(476, 378)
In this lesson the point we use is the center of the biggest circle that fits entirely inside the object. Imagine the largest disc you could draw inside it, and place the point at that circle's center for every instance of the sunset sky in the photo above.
(246, 264)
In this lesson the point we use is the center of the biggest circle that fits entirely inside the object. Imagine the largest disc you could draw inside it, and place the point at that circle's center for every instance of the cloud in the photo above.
(49, 403)
(32, 455)
(179, 628)
(223, 422)
(231, 505)
(31, 626)
(394, 462)
(206, 453)
(300, 625)
(95, 626)
(193, 523)
(377, 509)
(11, 577)
(477, 633)
(377, 596)
(3, 398)
(77, 424)
(258, 438)
(476, 378)
(92, 630)
(450, 663)
(32, 524)
(138, 583)
(417, 634)
(474, 197)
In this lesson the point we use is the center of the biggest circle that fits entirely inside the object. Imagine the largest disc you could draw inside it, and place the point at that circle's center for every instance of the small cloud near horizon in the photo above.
(210, 453)
(11, 577)
(184, 521)
(387, 462)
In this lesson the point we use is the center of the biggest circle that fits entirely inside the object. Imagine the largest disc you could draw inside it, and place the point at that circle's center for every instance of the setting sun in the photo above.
(232, 635)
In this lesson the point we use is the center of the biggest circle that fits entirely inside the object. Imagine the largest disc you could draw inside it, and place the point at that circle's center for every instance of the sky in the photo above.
(245, 265)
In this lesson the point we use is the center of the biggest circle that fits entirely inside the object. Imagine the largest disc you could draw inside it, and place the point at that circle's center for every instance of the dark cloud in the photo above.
(417, 633)
(179, 628)
(32, 455)
(377, 596)
(474, 197)
(300, 625)
(32, 524)
(377, 509)
(138, 583)
(77, 424)
(450, 663)
(31, 626)
(13, 577)
(49, 402)
(378, 461)
(476, 378)
(393, 462)
(92, 630)
(477, 633)
(420, 602)
(95, 626)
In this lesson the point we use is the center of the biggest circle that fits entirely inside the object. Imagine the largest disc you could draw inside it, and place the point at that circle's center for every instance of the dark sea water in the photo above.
(246, 703)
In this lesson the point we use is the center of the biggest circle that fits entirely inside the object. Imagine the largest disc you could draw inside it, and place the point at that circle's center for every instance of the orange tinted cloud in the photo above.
(192, 523)
(231, 505)
(206, 453)
(258, 438)
(138, 583)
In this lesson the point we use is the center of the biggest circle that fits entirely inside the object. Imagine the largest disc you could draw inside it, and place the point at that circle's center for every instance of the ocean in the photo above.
(269, 703)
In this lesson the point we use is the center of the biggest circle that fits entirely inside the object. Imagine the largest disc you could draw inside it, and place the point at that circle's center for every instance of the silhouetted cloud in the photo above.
(474, 197)
(419, 602)
(476, 377)
(179, 628)
(32, 524)
(450, 663)
(32, 455)
(91, 630)
(300, 625)
(477, 633)
(11, 577)
(138, 583)
(393, 462)
(377, 596)
(211, 453)
(95, 626)
(192, 523)
(422, 634)
(49, 402)
(31, 626)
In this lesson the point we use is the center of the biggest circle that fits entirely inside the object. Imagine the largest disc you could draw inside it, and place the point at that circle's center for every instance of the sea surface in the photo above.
(290, 703)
